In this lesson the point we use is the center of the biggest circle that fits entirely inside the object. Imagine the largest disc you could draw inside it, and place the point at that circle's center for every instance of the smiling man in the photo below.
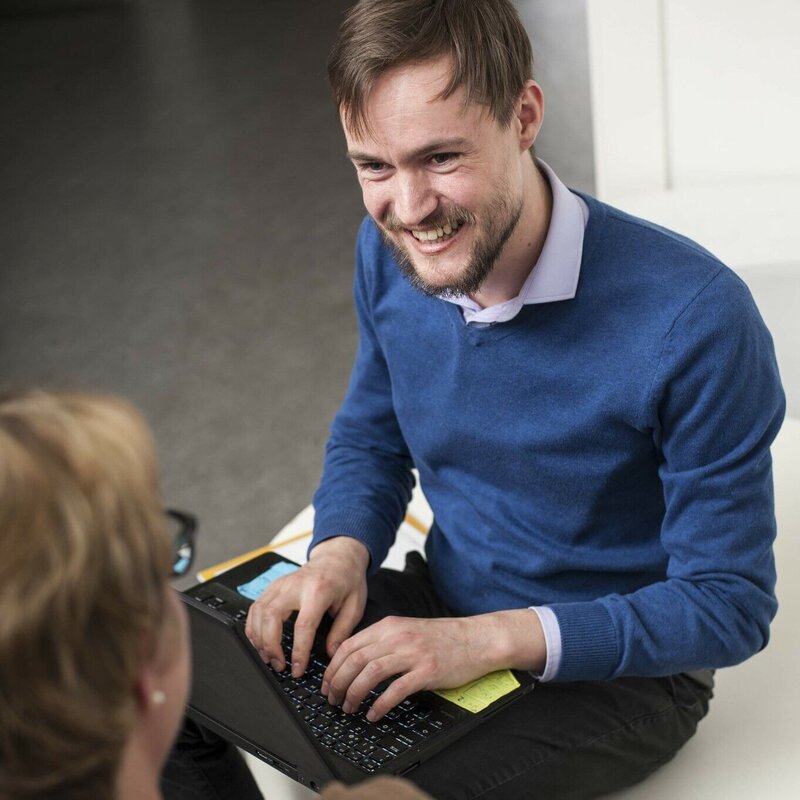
(463, 212)
(589, 401)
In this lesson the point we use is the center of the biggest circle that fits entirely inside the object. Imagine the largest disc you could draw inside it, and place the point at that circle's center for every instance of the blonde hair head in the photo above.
(85, 558)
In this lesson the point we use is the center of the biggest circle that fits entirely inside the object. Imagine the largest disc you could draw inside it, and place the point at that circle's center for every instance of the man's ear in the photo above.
(529, 112)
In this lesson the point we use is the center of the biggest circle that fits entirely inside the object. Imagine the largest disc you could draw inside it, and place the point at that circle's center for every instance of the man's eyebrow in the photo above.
(439, 145)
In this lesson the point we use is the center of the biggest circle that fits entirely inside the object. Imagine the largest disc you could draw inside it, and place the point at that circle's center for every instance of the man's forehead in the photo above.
(428, 78)
(407, 104)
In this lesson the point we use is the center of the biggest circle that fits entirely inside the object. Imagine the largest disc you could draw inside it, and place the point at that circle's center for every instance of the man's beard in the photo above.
(503, 219)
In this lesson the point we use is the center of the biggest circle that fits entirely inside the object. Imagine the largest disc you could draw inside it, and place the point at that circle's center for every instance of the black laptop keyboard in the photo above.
(366, 744)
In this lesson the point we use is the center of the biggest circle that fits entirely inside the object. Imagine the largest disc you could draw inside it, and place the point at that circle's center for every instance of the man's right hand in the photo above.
(334, 580)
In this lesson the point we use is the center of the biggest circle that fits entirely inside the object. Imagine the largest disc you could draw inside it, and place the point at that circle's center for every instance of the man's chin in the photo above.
(431, 281)
(430, 277)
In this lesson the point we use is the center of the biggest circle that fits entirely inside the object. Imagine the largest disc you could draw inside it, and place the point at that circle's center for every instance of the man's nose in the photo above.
(415, 199)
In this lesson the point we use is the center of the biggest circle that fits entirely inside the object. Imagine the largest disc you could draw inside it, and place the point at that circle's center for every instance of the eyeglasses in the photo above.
(182, 527)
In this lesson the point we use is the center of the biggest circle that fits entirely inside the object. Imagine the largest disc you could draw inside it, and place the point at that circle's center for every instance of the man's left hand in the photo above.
(430, 654)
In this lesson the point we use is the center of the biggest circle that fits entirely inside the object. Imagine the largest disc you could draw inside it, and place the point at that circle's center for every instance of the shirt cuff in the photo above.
(552, 641)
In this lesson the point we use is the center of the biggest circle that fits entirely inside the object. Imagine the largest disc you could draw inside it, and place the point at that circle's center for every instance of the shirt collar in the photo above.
(555, 275)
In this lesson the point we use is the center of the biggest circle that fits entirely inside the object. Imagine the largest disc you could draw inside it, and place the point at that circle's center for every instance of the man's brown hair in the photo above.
(83, 578)
(488, 45)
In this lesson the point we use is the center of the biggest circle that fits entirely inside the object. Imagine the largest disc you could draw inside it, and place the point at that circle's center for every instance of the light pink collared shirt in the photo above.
(555, 275)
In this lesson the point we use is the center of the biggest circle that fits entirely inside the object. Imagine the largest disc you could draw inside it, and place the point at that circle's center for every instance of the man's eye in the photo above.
(440, 159)
(373, 166)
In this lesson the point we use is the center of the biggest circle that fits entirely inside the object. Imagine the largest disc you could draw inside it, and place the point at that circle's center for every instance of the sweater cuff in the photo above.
(589, 647)
(356, 524)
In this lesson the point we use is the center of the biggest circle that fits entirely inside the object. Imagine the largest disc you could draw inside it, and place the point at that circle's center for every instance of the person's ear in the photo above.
(529, 112)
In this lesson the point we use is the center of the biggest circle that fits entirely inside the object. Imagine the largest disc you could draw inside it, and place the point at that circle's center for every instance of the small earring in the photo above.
(158, 697)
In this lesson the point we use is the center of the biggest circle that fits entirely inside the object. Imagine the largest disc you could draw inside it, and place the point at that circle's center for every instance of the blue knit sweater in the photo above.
(606, 456)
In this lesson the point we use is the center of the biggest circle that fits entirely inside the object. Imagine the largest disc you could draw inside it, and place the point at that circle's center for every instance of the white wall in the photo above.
(696, 124)
(733, 90)
(561, 65)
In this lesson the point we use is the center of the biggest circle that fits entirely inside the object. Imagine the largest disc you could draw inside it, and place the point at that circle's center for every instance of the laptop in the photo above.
(287, 722)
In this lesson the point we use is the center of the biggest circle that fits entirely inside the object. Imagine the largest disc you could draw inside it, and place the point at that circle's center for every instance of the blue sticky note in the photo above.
(252, 589)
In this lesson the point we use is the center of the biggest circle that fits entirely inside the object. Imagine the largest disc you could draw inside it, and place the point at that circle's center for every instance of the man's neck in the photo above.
(523, 249)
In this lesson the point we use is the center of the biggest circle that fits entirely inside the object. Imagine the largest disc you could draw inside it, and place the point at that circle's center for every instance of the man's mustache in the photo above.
(453, 217)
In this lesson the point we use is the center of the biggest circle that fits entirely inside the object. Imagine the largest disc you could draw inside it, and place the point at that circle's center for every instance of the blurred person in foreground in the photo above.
(94, 667)
(94, 652)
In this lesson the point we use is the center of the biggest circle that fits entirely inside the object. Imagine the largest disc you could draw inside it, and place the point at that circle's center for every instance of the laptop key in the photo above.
(409, 737)
(315, 701)
(394, 746)
(381, 756)
(423, 710)
(440, 719)
(365, 748)
(372, 734)
(359, 727)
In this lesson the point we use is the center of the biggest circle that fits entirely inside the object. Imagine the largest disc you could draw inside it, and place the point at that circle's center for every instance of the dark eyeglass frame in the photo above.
(183, 542)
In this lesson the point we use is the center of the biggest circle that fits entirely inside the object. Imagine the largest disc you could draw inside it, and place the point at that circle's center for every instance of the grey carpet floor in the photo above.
(176, 226)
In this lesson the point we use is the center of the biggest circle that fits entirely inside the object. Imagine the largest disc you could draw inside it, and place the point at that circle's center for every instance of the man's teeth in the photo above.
(435, 233)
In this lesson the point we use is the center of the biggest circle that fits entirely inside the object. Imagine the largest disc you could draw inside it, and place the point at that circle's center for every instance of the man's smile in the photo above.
(432, 234)
(432, 241)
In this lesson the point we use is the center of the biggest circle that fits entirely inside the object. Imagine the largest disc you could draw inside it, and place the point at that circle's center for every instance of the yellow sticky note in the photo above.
(480, 694)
